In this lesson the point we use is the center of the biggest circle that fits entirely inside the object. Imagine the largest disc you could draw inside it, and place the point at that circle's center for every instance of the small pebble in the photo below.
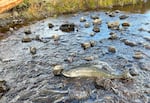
(125, 24)
(138, 55)
(111, 14)
(97, 22)
(129, 43)
(87, 25)
(33, 50)
(82, 19)
(113, 36)
(50, 25)
(89, 58)
(123, 16)
(144, 66)
(94, 17)
(93, 43)
(55, 37)
(96, 29)
(112, 49)
(92, 34)
(28, 31)
(86, 45)
(26, 39)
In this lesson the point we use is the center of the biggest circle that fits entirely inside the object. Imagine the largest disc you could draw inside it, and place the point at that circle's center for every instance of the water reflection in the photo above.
(141, 7)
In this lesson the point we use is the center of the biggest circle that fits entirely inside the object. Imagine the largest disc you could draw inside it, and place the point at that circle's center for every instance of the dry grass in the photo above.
(38, 8)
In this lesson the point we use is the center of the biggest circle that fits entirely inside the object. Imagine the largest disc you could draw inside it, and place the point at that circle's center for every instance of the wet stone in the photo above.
(96, 29)
(85, 45)
(92, 34)
(50, 25)
(97, 22)
(87, 25)
(57, 70)
(82, 19)
(111, 14)
(117, 11)
(147, 85)
(55, 37)
(69, 59)
(133, 71)
(28, 31)
(112, 49)
(144, 66)
(138, 55)
(67, 27)
(33, 50)
(113, 36)
(106, 84)
(26, 39)
(89, 58)
(147, 38)
(113, 25)
(129, 43)
(94, 17)
(123, 16)
(93, 43)
(126, 24)
(79, 95)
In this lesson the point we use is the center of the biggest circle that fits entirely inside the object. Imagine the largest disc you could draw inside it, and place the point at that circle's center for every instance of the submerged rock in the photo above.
(79, 94)
(106, 84)
(144, 66)
(26, 39)
(87, 25)
(67, 27)
(89, 58)
(123, 16)
(113, 36)
(3, 88)
(92, 34)
(126, 24)
(94, 17)
(96, 29)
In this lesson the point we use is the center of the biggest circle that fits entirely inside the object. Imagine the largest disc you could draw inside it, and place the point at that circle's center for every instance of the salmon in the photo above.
(93, 71)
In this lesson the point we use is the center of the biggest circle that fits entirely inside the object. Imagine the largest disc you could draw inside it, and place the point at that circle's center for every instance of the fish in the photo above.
(93, 71)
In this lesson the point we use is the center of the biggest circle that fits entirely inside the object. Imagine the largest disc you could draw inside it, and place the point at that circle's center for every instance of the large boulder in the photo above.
(68, 27)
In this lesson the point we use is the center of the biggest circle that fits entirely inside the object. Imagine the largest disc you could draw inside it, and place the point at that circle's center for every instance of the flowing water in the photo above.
(30, 77)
